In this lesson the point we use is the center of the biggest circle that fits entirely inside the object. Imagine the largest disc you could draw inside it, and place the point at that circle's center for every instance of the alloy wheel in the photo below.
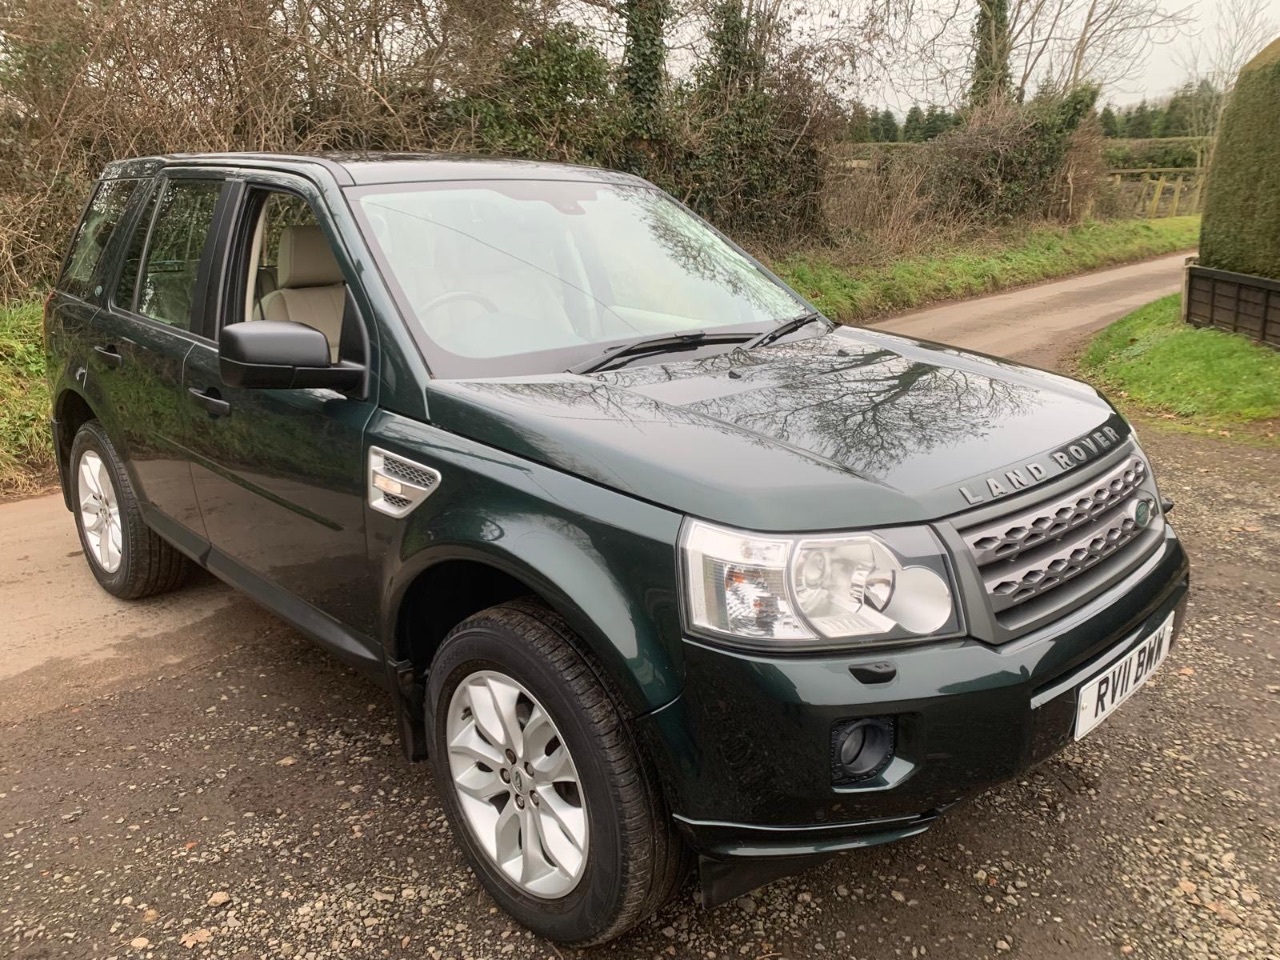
(517, 784)
(100, 512)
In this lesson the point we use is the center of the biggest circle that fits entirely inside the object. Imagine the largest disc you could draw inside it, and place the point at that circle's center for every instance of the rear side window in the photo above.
(127, 289)
(180, 229)
(80, 275)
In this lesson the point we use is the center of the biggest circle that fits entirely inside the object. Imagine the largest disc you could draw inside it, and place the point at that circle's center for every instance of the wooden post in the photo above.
(1153, 211)
(1177, 196)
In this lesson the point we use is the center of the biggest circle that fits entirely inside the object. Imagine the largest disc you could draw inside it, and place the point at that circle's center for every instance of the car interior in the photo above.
(296, 277)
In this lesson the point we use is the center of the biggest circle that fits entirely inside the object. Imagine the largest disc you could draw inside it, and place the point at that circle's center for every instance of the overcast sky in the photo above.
(1166, 69)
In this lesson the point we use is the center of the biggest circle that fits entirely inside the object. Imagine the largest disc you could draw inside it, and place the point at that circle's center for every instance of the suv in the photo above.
(657, 564)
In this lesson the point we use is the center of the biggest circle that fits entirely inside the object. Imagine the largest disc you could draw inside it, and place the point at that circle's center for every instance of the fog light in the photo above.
(860, 749)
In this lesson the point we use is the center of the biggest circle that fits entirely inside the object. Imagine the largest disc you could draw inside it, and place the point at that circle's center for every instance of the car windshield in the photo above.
(510, 277)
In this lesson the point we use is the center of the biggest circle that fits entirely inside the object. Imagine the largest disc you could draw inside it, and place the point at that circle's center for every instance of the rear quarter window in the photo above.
(80, 274)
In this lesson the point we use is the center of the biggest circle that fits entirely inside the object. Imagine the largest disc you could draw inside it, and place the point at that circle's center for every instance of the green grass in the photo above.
(26, 450)
(1208, 377)
(854, 294)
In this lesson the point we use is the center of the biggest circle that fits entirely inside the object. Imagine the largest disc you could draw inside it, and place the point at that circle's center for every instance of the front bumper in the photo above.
(745, 752)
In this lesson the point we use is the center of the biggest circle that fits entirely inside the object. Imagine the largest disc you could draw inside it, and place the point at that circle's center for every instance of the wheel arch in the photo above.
(71, 410)
(440, 591)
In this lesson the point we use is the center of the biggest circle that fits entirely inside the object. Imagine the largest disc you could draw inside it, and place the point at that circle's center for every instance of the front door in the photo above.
(280, 474)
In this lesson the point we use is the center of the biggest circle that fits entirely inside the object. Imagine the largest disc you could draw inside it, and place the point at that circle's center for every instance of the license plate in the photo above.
(1101, 696)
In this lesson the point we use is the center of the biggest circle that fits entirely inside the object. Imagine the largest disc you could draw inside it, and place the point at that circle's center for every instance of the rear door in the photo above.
(71, 338)
(152, 320)
(280, 474)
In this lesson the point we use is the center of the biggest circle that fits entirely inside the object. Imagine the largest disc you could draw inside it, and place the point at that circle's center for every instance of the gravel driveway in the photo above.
(189, 777)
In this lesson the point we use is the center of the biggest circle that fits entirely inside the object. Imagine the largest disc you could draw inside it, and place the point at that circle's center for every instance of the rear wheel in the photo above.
(126, 556)
(547, 794)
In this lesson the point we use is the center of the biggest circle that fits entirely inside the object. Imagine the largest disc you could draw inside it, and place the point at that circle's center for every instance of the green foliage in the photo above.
(1184, 152)
(1192, 111)
(643, 78)
(1242, 203)
(992, 45)
(26, 447)
(1209, 376)
(913, 125)
(553, 99)
(856, 294)
(754, 161)
(1110, 122)
(1006, 162)
(918, 126)
(859, 122)
(885, 128)
(1139, 123)
(938, 121)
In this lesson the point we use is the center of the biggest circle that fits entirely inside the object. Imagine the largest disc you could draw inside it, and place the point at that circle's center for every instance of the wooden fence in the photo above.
(1152, 192)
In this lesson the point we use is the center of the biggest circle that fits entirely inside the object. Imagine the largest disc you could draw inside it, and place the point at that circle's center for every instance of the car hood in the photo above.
(845, 430)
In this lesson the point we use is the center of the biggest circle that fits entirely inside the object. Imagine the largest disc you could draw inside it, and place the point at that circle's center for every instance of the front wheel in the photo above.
(547, 794)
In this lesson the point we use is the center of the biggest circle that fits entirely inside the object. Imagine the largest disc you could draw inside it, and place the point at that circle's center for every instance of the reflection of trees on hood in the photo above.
(874, 411)
(863, 407)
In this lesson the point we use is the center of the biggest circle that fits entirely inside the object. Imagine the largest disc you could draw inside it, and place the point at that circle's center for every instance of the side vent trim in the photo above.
(396, 484)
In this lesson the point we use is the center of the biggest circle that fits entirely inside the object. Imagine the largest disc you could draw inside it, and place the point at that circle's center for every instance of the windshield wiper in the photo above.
(660, 343)
(782, 329)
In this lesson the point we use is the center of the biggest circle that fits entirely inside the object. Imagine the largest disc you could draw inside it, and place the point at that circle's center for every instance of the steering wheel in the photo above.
(455, 296)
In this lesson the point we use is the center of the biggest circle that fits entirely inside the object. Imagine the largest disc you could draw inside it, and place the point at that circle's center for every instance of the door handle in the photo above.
(110, 355)
(211, 400)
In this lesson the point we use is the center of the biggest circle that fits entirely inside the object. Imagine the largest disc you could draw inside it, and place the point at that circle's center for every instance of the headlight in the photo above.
(771, 592)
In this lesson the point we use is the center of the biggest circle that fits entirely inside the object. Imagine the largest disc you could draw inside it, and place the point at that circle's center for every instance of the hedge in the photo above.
(1241, 226)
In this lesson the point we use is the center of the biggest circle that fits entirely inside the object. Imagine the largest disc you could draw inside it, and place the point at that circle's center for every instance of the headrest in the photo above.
(306, 259)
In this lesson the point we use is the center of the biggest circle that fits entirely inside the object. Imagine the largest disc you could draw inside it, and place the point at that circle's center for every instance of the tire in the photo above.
(137, 563)
(633, 860)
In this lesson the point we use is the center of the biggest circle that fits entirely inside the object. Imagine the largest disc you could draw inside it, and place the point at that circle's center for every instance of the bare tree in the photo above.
(1214, 59)
(1070, 42)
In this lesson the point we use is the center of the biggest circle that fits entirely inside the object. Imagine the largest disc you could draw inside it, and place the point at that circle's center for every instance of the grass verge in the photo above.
(1207, 377)
(26, 449)
(854, 294)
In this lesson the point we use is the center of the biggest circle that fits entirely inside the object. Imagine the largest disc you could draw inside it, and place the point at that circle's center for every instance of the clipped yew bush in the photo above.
(1241, 226)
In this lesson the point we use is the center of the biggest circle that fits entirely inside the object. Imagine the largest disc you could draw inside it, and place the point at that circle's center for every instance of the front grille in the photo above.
(1026, 554)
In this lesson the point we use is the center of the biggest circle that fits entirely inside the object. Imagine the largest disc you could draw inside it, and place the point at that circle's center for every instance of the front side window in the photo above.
(179, 231)
(291, 273)
(540, 274)
(79, 277)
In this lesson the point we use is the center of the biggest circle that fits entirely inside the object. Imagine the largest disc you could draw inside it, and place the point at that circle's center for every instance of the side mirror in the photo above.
(278, 355)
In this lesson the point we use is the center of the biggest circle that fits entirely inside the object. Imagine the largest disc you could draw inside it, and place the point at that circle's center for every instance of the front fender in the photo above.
(603, 561)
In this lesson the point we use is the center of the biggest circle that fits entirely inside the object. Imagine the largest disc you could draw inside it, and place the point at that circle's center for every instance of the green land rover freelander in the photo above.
(662, 570)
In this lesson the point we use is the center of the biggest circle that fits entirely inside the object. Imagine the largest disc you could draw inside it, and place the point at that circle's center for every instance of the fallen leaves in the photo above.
(194, 937)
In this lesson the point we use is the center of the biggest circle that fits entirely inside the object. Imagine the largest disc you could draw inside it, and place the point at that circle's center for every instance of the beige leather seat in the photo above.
(310, 286)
